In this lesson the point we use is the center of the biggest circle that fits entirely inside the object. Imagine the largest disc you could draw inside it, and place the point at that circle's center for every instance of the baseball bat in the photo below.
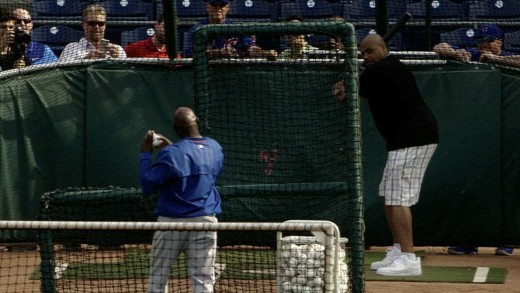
(397, 26)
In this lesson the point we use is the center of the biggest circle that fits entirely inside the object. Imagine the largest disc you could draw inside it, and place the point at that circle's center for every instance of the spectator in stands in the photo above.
(298, 46)
(11, 54)
(489, 48)
(93, 45)
(36, 53)
(333, 42)
(152, 47)
(184, 173)
(226, 47)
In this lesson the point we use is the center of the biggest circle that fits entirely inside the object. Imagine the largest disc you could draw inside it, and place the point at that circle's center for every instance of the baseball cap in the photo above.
(488, 31)
(219, 1)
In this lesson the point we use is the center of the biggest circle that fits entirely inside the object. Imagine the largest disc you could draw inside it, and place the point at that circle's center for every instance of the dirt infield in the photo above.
(438, 256)
(15, 269)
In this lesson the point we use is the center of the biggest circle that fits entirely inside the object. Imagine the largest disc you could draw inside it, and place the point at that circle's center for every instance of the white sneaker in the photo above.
(391, 254)
(402, 266)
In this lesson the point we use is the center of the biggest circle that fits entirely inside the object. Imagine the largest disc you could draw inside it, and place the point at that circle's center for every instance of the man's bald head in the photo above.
(185, 122)
(373, 49)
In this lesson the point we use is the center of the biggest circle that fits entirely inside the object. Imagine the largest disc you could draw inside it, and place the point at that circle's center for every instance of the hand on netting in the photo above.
(222, 53)
(257, 52)
(462, 55)
(20, 63)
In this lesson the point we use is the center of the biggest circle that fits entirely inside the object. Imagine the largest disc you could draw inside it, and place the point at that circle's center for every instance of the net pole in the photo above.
(48, 284)
(170, 27)
(381, 17)
(355, 169)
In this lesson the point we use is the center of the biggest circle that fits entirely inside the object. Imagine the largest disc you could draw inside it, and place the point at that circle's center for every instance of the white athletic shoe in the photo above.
(391, 254)
(402, 266)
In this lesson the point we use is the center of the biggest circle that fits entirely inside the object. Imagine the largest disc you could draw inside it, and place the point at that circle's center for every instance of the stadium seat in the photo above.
(440, 9)
(131, 10)
(311, 9)
(512, 42)
(252, 10)
(461, 37)
(494, 10)
(56, 36)
(57, 9)
(365, 10)
(395, 44)
(187, 8)
(135, 35)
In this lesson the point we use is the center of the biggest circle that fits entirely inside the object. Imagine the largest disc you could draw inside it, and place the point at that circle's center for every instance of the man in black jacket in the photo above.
(411, 134)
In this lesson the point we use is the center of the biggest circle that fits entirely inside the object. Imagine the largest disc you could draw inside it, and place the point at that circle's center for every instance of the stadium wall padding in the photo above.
(82, 126)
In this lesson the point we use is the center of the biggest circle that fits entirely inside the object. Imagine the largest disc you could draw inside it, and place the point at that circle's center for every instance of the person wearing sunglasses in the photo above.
(226, 46)
(36, 53)
(489, 39)
(11, 56)
(93, 45)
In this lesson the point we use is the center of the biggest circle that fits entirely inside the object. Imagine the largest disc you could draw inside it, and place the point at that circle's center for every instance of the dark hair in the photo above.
(160, 19)
(6, 15)
(294, 17)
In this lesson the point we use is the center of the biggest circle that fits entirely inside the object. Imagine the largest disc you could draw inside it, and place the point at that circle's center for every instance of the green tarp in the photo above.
(82, 126)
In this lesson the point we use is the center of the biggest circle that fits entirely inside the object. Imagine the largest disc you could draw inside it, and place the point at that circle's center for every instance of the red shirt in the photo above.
(145, 49)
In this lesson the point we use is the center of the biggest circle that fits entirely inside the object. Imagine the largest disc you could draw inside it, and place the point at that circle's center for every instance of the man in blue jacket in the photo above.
(184, 173)
(36, 53)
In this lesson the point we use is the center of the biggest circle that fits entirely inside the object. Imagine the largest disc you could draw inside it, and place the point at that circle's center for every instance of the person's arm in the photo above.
(48, 56)
(152, 176)
(71, 52)
(447, 51)
(256, 52)
(511, 60)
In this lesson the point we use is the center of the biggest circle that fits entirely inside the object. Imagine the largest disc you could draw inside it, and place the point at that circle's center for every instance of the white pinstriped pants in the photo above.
(199, 247)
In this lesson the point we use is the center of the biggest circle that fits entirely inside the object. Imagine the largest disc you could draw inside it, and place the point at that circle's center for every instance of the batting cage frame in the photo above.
(346, 60)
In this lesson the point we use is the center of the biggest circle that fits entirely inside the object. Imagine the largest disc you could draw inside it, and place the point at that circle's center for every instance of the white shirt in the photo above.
(79, 50)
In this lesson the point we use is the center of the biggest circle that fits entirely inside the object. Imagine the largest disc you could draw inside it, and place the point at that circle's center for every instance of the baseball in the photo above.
(156, 141)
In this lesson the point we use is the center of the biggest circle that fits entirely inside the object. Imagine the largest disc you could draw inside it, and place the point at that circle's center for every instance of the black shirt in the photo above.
(400, 114)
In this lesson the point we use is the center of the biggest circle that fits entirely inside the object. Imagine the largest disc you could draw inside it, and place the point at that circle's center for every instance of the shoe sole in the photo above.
(375, 268)
(503, 253)
(400, 274)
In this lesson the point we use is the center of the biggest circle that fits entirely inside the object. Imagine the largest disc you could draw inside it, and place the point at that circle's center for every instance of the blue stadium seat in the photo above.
(57, 9)
(132, 10)
(494, 10)
(361, 10)
(135, 35)
(252, 9)
(190, 8)
(512, 42)
(395, 44)
(461, 37)
(56, 36)
(312, 9)
(187, 8)
(440, 9)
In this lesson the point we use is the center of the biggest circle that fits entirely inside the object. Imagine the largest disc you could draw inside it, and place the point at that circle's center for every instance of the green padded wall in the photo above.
(86, 128)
